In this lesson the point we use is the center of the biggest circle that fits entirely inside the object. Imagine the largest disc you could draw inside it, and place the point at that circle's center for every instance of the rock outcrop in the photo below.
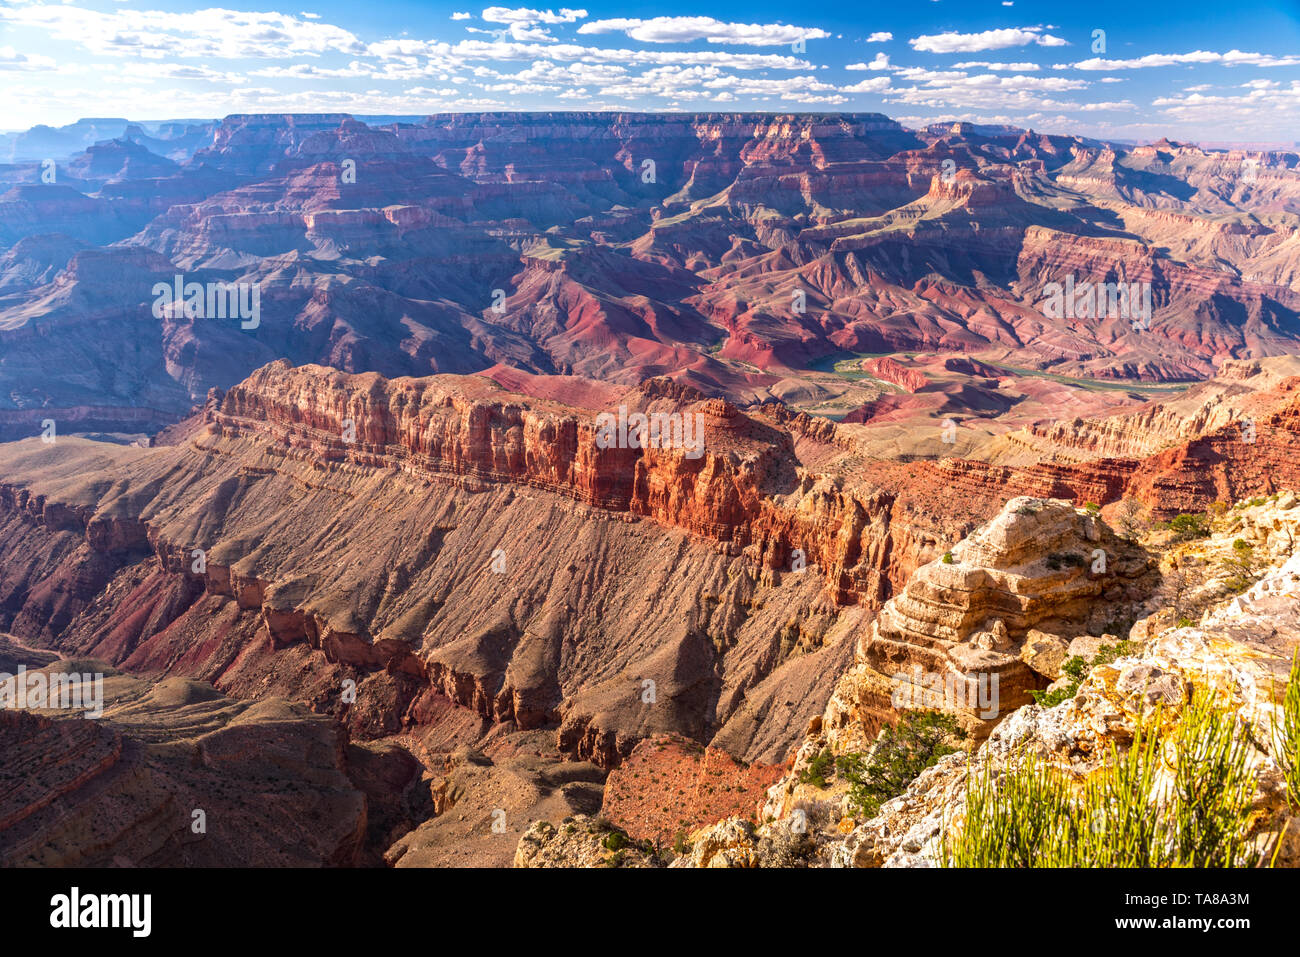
(963, 635)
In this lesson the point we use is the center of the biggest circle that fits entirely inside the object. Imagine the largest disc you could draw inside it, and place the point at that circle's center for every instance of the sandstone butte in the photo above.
(327, 561)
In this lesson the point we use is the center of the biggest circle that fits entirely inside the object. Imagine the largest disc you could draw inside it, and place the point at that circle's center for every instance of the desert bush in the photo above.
(1109, 653)
(1131, 525)
(1188, 526)
(901, 753)
(1177, 587)
(817, 769)
(1033, 814)
(1240, 566)
(1074, 668)
(1286, 734)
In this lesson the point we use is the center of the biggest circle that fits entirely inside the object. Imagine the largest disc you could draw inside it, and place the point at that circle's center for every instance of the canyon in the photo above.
(762, 247)
(374, 554)
(461, 576)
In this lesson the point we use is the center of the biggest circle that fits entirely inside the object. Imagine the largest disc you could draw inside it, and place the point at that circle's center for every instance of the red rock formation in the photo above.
(887, 369)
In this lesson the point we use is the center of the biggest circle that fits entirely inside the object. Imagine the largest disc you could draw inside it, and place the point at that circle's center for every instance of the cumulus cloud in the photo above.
(877, 84)
(526, 15)
(686, 29)
(985, 40)
(208, 34)
(1009, 67)
(949, 88)
(525, 24)
(709, 83)
(882, 36)
(179, 71)
(881, 62)
(1267, 113)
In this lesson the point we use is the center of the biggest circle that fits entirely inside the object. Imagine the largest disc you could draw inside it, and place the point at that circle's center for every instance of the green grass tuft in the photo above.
(1033, 814)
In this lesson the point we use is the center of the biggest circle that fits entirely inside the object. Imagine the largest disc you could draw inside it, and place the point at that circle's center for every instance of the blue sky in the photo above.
(1191, 70)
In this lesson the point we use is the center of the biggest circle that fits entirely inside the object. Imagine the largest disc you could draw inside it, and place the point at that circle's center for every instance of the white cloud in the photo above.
(1010, 67)
(686, 29)
(882, 36)
(985, 40)
(460, 16)
(1098, 107)
(470, 50)
(877, 84)
(525, 24)
(212, 33)
(178, 71)
(881, 62)
(1231, 58)
(10, 59)
(1263, 114)
(983, 91)
(307, 71)
(525, 15)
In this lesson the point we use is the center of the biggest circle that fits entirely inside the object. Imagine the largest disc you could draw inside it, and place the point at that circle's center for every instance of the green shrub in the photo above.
(1213, 787)
(1074, 668)
(1106, 654)
(1034, 814)
(1188, 526)
(1050, 699)
(1017, 820)
(817, 769)
(1286, 734)
(947, 558)
(902, 752)
(1240, 566)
